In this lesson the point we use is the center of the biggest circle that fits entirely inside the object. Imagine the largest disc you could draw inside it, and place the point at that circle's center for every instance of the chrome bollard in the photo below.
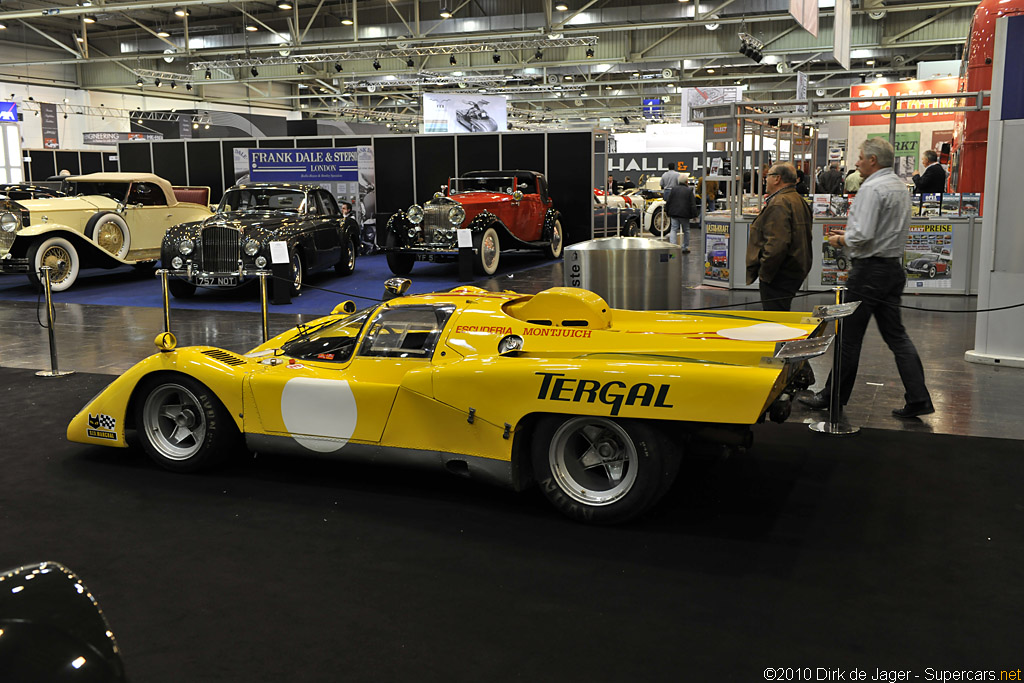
(263, 303)
(167, 302)
(53, 371)
(835, 425)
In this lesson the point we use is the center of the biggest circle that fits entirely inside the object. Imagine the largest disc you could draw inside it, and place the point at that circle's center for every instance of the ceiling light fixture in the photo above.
(157, 83)
(188, 86)
(409, 63)
(300, 70)
(452, 60)
(89, 19)
(538, 55)
(445, 12)
(338, 67)
(163, 34)
(711, 71)
(79, 39)
(283, 5)
(251, 29)
(182, 12)
(561, 7)
(496, 57)
(870, 62)
(174, 84)
(590, 53)
(376, 65)
(254, 71)
(139, 82)
(347, 21)
(2, 26)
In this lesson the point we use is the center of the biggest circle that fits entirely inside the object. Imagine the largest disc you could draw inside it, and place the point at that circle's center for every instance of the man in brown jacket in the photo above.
(779, 248)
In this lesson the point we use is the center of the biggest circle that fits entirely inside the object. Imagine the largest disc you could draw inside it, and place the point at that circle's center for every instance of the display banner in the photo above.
(720, 129)
(48, 121)
(907, 150)
(835, 263)
(801, 91)
(928, 256)
(716, 252)
(653, 108)
(699, 97)
(348, 173)
(806, 14)
(112, 139)
(310, 165)
(916, 109)
(842, 29)
(453, 113)
(8, 112)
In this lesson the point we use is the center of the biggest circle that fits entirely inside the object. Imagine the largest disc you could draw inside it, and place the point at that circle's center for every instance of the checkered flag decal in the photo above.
(102, 421)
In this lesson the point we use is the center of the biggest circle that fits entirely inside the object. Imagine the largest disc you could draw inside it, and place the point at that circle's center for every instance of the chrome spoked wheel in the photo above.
(174, 422)
(296, 261)
(593, 460)
(59, 259)
(110, 237)
(556, 239)
(660, 223)
(489, 252)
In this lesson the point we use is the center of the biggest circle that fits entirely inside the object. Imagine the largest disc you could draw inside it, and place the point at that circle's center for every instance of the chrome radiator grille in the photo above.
(435, 216)
(6, 240)
(220, 250)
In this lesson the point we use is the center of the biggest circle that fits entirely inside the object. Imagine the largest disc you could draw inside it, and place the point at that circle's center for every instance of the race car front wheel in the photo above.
(601, 470)
(183, 426)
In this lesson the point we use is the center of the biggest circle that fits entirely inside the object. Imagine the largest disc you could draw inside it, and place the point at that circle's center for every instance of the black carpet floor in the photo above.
(886, 550)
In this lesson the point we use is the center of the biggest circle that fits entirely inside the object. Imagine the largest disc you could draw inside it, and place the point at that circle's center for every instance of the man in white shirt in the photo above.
(876, 232)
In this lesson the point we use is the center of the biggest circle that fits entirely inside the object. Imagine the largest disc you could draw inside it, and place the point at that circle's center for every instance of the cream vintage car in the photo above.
(648, 197)
(107, 220)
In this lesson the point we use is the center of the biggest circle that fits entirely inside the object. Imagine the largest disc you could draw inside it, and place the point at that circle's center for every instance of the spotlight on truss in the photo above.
(376, 65)
(751, 47)
(452, 60)
(338, 67)
(254, 71)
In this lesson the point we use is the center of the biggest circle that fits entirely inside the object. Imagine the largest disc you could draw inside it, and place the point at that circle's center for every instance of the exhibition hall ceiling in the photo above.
(581, 62)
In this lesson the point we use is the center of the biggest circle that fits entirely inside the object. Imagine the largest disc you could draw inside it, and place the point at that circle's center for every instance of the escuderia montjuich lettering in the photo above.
(555, 386)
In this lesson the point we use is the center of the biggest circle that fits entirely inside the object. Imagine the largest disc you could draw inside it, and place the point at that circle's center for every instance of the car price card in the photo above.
(928, 256)
(716, 252)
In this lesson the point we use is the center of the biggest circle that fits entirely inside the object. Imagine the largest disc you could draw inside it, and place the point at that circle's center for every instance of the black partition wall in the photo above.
(45, 163)
(408, 168)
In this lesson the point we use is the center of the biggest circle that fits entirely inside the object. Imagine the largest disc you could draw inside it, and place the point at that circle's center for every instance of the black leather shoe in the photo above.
(915, 409)
(817, 401)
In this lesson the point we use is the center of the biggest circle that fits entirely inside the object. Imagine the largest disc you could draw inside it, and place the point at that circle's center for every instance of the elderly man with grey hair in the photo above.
(779, 251)
(876, 232)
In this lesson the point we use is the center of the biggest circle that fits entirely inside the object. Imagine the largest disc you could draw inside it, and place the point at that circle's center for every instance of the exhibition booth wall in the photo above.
(409, 169)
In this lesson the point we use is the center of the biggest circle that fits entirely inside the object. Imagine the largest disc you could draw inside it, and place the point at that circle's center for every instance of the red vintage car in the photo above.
(503, 210)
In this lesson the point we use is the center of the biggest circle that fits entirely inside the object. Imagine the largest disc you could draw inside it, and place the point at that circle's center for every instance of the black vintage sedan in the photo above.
(233, 245)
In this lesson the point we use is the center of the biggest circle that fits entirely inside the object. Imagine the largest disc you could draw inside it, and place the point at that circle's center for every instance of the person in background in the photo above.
(779, 251)
(853, 181)
(669, 179)
(627, 184)
(681, 206)
(346, 210)
(876, 233)
(613, 187)
(801, 183)
(934, 177)
(830, 181)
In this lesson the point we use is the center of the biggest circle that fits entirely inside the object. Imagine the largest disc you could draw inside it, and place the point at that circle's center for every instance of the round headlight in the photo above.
(456, 215)
(412, 233)
(251, 247)
(415, 214)
(186, 247)
(176, 262)
(261, 261)
(9, 222)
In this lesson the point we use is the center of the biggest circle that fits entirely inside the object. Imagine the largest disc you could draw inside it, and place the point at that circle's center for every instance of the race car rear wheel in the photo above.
(61, 256)
(488, 252)
(347, 263)
(400, 264)
(660, 222)
(183, 426)
(597, 469)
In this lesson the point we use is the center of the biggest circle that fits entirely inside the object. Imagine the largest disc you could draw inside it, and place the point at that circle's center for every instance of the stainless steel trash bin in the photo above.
(628, 272)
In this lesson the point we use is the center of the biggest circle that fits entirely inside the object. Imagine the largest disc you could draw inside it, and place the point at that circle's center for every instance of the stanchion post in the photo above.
(167, 301)
(835, 426)
(53, 371)
(263, 303)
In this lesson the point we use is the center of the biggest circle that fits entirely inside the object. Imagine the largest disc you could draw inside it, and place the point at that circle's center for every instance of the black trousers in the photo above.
(878, 284)
(778, 294)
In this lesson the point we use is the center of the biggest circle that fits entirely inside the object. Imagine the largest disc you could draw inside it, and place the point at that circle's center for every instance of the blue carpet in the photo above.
(124, 287)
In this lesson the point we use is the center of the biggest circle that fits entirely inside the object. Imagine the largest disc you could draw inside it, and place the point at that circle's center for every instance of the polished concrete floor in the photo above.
(970, 399)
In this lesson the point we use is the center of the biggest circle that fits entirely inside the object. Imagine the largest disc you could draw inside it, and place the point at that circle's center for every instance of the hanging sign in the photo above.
(48, 120)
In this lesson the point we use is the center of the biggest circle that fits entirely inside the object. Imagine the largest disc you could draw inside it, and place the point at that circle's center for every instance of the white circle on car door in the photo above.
(320, 414)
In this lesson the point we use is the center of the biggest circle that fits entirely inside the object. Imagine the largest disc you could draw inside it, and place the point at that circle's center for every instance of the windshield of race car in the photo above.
(115, 191)
(332, 342)
(262, 199)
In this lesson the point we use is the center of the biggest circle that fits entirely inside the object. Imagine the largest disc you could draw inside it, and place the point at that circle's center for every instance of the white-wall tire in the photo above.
(110, 232)
(61, 256)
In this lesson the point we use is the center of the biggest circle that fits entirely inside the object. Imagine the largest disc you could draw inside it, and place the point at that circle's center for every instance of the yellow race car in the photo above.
(594, 404)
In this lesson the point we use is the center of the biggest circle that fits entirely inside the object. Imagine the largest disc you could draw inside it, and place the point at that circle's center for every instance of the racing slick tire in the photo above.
(660, 222)
(181, 289)
(61, 256)
(601, 470)
(488, 252)
(400, 264)
(182, 425)
(557, 239)
(347, 263)
(110, 232)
